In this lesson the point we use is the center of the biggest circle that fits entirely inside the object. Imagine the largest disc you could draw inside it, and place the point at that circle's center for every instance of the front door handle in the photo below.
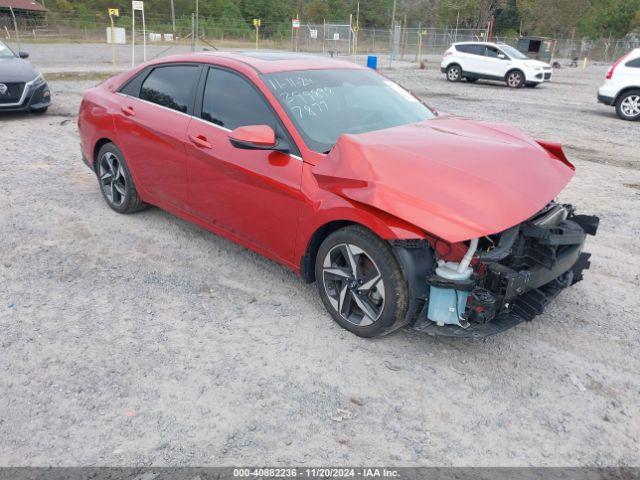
(199, 141)
(128, 111)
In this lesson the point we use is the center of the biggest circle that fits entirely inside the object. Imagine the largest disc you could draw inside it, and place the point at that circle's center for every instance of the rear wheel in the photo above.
(360, 282)
(115, 181)
(454, 73)
(628, 105)
(514, 79)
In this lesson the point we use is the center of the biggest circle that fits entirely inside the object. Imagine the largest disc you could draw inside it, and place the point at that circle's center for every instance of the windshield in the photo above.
(5, 52)
(324, 104)
(513, 52)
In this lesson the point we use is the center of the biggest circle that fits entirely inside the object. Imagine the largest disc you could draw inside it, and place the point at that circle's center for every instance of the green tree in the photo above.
(317, 11)
(64, 6)
(608, 17)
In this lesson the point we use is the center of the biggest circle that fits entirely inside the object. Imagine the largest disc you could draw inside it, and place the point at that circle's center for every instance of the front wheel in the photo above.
(628, 105)
(515, 79)
(360, 282)
(454, 73)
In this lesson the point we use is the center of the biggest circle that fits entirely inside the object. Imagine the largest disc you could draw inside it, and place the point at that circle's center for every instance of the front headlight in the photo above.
(38, 81)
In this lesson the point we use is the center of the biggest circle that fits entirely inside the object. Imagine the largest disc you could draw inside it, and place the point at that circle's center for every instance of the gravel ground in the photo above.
(144, 340)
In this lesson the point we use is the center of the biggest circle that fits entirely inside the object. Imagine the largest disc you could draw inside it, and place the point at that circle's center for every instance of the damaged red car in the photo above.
(400, 214)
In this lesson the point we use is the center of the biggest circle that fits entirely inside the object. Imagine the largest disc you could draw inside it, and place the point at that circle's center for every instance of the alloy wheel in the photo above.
(354, 284)
(630, 106)
(453, 74)
(112, 179)
(514, 79)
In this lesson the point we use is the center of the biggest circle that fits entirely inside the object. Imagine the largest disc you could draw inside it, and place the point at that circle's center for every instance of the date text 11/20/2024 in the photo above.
(316, 472)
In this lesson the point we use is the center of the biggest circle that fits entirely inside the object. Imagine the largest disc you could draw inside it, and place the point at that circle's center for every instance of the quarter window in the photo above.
(230, 101)
(633, 63)
(171, 86)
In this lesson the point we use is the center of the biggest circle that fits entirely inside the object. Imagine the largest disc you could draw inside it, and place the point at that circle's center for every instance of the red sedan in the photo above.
(401, 215)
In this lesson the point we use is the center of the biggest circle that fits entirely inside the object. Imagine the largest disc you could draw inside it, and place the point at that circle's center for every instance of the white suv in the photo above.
(493, 61)
(622, 86)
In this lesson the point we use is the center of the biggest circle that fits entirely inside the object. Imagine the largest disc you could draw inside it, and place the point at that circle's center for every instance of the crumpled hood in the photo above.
(454, 178)
(16, 70)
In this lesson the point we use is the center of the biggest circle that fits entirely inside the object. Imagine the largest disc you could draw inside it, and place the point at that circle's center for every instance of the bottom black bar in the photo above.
(402, 473)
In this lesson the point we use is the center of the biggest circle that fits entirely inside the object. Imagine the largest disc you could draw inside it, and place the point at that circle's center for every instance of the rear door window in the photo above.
(475, 49)
(171, 86)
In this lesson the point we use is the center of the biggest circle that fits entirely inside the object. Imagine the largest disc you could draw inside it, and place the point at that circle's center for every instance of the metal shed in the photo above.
(540, 48)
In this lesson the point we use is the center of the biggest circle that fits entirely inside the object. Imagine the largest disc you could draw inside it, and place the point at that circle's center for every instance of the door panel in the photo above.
(253, 194)
(152, 141)
(152, 129)
(473, 61)
(492, 65)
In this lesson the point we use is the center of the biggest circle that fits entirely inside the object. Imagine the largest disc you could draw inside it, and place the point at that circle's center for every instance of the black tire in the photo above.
(471, 79)
(124, 196)
(514, 79)
(40, 111)
(388, 298)
(454, 73)
(628, 105)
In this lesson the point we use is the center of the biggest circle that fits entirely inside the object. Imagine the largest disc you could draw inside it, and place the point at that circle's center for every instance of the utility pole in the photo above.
(392, 31)
(197, 30)
(15, 26)
(357, 29)
(173, 19)
(193, 32)
(403, 44)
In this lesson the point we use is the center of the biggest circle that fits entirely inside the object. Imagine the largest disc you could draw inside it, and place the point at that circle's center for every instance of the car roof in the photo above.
(479, 43)
(267, 62)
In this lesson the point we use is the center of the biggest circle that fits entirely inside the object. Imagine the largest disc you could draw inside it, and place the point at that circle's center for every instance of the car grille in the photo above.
(13, 93)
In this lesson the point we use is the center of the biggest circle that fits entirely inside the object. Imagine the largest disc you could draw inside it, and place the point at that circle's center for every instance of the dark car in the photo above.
(22, 87)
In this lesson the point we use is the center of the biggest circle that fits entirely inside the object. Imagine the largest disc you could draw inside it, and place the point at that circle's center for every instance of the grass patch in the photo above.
(77, 76)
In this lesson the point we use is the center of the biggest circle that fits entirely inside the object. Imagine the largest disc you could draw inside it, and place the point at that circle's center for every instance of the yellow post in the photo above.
(256, 24)
(113, 12)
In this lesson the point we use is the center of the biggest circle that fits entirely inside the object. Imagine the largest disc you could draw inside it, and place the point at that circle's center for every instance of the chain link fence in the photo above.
(339, 39)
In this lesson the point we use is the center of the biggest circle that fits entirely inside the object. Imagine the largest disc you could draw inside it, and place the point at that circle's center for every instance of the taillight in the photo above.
(613, 67)
(447, 53)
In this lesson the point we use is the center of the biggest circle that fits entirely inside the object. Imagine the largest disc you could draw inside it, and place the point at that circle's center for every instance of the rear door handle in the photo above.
(199, 141)
(128, 111)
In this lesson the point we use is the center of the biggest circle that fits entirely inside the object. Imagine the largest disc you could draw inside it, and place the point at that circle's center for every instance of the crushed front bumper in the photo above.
(542, 257)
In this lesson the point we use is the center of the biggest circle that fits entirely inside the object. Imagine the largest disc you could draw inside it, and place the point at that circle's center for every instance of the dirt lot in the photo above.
(145, 340)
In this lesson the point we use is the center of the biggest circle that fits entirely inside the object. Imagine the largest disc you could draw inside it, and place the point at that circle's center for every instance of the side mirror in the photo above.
(23, 54)
(256, 137)
(502, 56)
